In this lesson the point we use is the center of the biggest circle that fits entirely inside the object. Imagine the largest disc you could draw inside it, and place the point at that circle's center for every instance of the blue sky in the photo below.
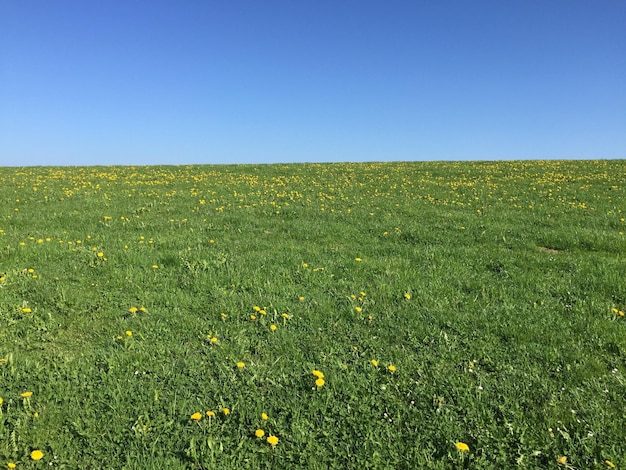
(181, 82)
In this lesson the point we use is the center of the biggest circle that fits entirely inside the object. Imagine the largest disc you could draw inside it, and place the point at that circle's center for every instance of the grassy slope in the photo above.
(508, 342)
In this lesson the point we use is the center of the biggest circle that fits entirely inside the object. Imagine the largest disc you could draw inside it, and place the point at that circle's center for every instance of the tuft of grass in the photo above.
(461, 315)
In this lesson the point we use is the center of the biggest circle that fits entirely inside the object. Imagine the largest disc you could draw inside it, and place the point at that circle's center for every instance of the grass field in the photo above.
(456, 315)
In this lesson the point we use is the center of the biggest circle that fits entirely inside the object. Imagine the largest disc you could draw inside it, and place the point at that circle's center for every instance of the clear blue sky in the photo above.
(159, 82)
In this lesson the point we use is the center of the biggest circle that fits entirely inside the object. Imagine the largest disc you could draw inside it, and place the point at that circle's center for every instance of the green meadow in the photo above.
(375, 315)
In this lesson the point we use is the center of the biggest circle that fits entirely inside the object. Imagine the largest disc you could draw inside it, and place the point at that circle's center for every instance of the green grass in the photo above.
(511, 341)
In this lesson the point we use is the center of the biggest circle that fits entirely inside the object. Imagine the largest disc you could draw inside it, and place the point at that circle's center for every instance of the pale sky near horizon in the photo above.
(169, 82)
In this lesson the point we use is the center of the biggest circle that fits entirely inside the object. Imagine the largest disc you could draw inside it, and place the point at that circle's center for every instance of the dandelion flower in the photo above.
(358, 309)
(129, 333)
(210, 414)
(391, 368)
(100, 254)
(374, 362)
(1, 400)
(26, 310)
(36, 455)
(253, 317)
(241, 365)
(462, 446)
(358, 260)
(226, 411)
(26, 394)
(133, 310)
(256, 308)
(196, 416)
(11, 465)
(264, 417)
(562, 460)
(320, 382)
(318, 374)
(273, 327)
(273, 440)
(407, 296)
(259, 433)
(609, 464)
(214, 340)
(155, 266)
(301, 298)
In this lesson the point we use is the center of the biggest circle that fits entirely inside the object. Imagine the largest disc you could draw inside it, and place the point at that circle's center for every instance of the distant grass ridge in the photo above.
(351, 315)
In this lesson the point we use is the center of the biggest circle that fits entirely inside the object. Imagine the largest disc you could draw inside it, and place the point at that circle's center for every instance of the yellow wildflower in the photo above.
(26, 310)
(241, 365)
(196, 416)
(374, 362)
(264, 417)
(317, 374)
(273, 327)
(133, 310)
(26, 394)
(358, 309)
(273, 440)
(462, 446)
(407, 296)
(391, 368)
(609, 464)
(36, 455)
(226, 411)
(562, 460)
(320, 382)
(358, 260)
(129, 333)
(259, 433)
(210, 414)
(11, 465)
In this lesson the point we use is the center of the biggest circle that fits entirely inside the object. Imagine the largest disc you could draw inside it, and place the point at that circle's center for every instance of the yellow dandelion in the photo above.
(133, 310)
(26, 310)
(256, 308)
(614, 310)
(100, 254)
(620, 313)
(562, 460)
(259, 433)
(196, 416)
(155, 266)
(263, 312)
(36, 455)
(214, 340)
(609, 464)
(358, 260)
(26, 394)
(286, 316)
(241, 365)
(462, 446)
(11, 465)
(320, 382)
(273, 440)
(226, 411)
(252, 317)
(264, 417)
(318, 374)
(374, 362)
(358, 309)
(301, 298)
(210, 414)
(273, 327)
(407, 296)
(223, 315)
(143, 309)
(1, 400)
(391, 368)
(128, 333)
